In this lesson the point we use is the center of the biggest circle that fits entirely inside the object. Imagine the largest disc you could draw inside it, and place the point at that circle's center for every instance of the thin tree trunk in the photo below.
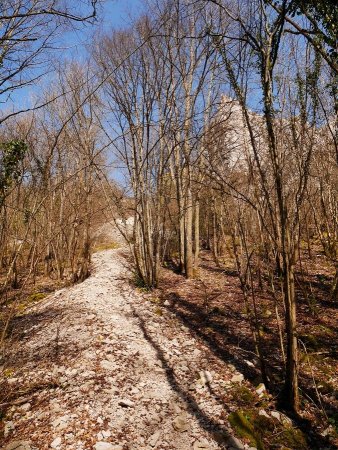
(197, 232)
(188, 252)
(290, 392)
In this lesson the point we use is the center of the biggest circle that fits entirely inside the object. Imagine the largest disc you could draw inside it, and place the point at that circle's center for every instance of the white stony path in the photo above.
(101, 367)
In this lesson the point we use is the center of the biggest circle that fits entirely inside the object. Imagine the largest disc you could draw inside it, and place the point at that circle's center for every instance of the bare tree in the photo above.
(28, 35)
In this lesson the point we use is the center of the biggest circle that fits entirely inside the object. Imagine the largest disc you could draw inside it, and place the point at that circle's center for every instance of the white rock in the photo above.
(56, 443)
(205, 377)
(237, 378)
(154, 439)
(42, 415)
(100, 436)
(327, 431)
(126, 403)
(262, 412)
(234, 443)
(276, 415)
(181, 424)
(56, 407)
(88, 374)
(249, 363)
(201, 444)
(107, 365)
(103, 435)
(9, 426)
(61, 422)
(26, 407)
(261, 389)
(107, 446)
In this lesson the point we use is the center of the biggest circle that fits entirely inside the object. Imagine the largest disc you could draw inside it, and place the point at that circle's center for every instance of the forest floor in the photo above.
(104, 365)
(212, 306)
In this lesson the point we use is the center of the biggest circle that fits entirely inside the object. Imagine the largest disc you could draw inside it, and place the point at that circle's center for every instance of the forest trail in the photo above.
(101, 366)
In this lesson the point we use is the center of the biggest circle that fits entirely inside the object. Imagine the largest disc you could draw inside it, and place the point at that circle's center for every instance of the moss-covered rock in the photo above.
(241, 421)
(292, 438)
(36, 297)
(242, 395)
(29, 301)
(260, 429)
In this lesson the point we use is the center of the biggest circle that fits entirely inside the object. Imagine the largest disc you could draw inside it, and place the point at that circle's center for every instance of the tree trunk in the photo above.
(197, 232)
(188, 253)
(290, 393)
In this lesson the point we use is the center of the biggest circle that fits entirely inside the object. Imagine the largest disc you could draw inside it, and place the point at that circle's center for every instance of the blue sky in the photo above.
(113, 14)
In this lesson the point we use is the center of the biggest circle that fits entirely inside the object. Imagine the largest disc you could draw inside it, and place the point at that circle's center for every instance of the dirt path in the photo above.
(99, 366)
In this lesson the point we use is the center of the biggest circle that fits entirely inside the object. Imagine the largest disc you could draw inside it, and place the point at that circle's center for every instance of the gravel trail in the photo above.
(102, 366)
